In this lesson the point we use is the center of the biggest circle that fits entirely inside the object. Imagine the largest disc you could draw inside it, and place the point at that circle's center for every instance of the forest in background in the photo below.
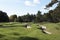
(51, 16)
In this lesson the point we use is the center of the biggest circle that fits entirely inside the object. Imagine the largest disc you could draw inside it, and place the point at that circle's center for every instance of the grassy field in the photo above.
(16, 31)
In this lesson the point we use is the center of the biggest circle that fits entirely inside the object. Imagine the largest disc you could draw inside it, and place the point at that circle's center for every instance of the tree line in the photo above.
(51, 16)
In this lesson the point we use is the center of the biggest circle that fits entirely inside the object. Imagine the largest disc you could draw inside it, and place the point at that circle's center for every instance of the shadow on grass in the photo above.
(27, 38)
(8, 26)
(57, 28)
(15, 33)
(1, 35)
(12, 25)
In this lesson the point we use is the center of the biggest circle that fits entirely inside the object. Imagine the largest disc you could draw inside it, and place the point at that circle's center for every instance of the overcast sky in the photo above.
(22, 7)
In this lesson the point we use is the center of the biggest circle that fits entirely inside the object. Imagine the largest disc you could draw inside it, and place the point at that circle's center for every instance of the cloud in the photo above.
(28, 3)
(31, 3)
(36, 1)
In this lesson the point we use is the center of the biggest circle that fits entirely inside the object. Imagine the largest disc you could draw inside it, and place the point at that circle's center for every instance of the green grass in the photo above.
(16, 31)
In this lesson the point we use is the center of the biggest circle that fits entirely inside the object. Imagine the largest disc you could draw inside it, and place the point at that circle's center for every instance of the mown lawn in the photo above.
(16, 31)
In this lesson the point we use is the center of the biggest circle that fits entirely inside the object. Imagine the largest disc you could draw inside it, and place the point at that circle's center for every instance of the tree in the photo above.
(54, 15)
(13, 18)
(4, 17)
(32, 18)
(26, 18)
(52, 3)
(19, 19)
(50, 16)
(39, 17)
